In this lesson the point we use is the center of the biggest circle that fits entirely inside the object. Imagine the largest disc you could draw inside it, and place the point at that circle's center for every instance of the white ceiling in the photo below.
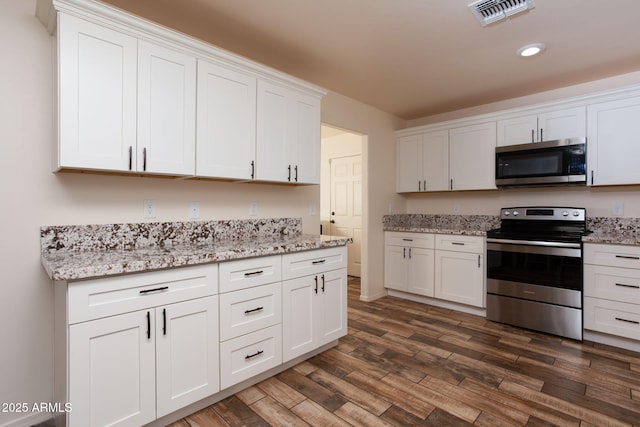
(414, 58)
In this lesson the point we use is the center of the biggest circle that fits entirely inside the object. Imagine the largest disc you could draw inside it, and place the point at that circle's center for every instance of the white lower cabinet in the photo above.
(612, 289)
(452, 270)
(460, 269)
(409, 262)
(314, 307)
(130, 369)
(141, 346)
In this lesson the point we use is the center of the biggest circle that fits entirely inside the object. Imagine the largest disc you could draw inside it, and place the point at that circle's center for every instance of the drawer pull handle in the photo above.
(323, 283)
(407, 240)
(457, 243)
(322, 261)
(251, 356)
(253, 310)
(316, 288)
(628, 257)
(164, 321)
(253, 273)
(148, 291)
(635, 322)
(628, 286)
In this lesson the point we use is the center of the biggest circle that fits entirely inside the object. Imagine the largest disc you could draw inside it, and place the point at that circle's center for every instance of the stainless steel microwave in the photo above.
(559, 162)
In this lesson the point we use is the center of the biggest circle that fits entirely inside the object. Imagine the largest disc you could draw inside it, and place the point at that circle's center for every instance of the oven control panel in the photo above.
(544, 213)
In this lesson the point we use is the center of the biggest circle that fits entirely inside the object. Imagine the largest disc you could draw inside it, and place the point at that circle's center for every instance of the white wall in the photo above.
(31, 196)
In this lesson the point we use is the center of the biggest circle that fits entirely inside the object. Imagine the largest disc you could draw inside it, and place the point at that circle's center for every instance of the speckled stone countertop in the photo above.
(610, 230)
(83, 252)
(471, 225)
(613, 230)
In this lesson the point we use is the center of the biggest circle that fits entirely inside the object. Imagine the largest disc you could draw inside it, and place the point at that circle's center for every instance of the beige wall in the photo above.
(32, 196)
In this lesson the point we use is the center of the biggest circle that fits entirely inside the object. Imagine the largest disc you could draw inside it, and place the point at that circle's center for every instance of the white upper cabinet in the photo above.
(125, 104)
(129, 94)
(226, 129)
(423, 162)
(613, 146)
(97, 69)
(288, 135)
(552, 125)
(166, 110)
(472, 157)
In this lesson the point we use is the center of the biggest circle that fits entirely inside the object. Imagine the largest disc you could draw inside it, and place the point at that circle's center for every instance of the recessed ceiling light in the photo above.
(531, 49)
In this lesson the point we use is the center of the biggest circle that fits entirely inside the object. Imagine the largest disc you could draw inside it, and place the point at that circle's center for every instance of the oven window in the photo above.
(530, 164)
(536, 269)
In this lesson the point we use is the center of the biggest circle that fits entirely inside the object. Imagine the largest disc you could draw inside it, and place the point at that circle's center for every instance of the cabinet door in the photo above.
(460, 277)
(435, 161)
(420, 278)
(305, 146)
(298, 316)
(518, 130)
(567, 123)
(472, 157)
(409, 164)
(166, 110)
(187, 361)
(395, 269)
(613, 149)
(112, 371)
(273, 151)
(332, 315)
(226, 125)
(97, 89)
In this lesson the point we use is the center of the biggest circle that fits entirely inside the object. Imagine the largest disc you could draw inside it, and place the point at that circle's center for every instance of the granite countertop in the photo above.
(470, 225)
(92, 251)
(608, 230)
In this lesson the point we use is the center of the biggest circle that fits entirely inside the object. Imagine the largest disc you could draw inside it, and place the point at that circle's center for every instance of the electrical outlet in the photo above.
(618, 209)
(194, 210)
(312, 209)
(149, 209)
(456, 208)
(253, 209)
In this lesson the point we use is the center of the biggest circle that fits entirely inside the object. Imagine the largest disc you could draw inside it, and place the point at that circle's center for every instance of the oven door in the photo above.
(536, 270)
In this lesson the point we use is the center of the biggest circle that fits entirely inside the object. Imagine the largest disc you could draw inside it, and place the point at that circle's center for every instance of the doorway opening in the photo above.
(341, 190)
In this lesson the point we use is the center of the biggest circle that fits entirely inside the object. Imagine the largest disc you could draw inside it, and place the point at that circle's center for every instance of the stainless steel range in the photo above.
(534, 269)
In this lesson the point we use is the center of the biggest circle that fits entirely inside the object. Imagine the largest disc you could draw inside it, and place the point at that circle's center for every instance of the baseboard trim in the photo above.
(41, 419)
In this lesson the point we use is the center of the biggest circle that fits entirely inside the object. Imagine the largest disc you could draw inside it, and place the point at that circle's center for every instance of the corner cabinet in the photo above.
(130, 91)
(423, 162)
(440, 266)
(288, 140)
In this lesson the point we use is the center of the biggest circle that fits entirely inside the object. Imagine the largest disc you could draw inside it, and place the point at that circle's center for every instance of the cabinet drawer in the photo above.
(612, 255)
(248, 310)
(93, 299)
(612, 283)
(452, 242)
(313, 262)
(612, 317)
(245, 273)
(248, 355)
(415, 240)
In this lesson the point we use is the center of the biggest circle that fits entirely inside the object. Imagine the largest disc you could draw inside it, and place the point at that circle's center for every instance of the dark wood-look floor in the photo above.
(405, 363)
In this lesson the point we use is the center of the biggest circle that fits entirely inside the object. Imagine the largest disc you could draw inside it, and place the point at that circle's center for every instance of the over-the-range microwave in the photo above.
(559, 162)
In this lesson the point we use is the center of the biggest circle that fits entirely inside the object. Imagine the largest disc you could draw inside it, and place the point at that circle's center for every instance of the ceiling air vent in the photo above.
(490, 11)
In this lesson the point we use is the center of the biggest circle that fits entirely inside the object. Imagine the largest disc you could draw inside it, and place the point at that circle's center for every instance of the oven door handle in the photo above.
(570, 252)
(535, 243)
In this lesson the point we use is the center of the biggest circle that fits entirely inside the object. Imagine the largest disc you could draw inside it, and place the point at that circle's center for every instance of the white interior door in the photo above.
(346, 206)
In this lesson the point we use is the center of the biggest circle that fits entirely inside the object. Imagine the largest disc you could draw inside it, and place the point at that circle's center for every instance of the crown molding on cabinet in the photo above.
(111, 17)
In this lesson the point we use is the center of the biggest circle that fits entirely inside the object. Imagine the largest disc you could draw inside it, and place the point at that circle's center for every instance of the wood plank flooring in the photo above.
(405, 363)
